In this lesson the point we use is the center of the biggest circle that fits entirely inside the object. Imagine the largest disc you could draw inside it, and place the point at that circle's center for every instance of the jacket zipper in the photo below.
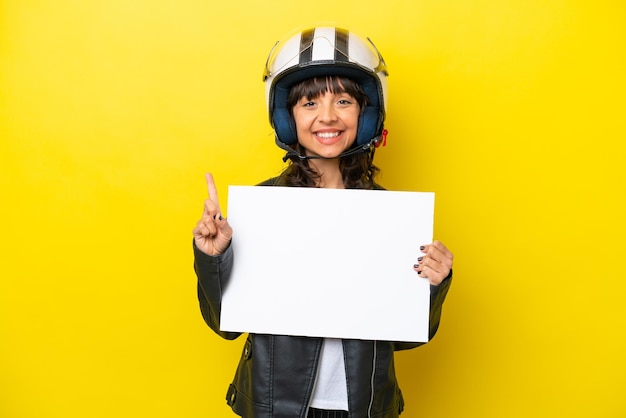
(369, 409)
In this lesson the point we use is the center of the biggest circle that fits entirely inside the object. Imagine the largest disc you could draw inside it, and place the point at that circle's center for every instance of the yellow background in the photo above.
(112, 110)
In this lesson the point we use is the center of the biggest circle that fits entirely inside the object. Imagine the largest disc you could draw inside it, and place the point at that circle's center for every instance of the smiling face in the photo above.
(326, 115)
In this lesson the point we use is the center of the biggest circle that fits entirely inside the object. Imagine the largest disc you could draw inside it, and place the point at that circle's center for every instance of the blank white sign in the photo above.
(328, 263)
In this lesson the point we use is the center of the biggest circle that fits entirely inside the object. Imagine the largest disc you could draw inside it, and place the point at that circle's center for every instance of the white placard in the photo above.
(328, 263)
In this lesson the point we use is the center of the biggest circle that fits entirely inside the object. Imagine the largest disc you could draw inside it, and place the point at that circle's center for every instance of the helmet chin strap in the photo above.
(355, 150)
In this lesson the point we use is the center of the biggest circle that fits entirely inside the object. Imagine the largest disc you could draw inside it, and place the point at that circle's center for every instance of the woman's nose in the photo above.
(327, 114)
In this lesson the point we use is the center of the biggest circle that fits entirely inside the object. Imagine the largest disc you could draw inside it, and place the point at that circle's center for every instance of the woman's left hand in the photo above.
(435, 264)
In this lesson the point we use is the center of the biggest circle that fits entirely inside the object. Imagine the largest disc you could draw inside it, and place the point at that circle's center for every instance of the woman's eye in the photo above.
(345, 102)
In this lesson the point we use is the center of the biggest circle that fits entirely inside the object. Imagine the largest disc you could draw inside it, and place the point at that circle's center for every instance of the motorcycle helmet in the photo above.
(320, 52)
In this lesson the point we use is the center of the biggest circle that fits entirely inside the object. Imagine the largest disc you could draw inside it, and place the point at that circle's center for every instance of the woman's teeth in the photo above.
(327, 134)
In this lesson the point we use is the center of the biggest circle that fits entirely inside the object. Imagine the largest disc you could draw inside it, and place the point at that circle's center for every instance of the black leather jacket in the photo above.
(276, 373)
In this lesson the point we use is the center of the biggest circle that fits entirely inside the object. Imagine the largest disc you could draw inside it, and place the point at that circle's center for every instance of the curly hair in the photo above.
(357, 170)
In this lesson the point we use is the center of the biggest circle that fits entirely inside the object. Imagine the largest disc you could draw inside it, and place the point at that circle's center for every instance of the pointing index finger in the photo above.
(212, 189)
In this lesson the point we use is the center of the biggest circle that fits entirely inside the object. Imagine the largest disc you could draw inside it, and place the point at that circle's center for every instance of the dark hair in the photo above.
(357, 170)
(317, 86)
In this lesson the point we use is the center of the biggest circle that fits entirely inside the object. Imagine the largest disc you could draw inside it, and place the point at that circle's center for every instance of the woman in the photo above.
(326, 96)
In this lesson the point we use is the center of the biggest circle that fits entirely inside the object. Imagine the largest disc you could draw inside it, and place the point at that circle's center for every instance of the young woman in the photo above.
(326, 96)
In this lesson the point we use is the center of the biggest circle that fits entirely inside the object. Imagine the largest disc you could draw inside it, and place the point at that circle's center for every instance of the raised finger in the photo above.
(210, 182)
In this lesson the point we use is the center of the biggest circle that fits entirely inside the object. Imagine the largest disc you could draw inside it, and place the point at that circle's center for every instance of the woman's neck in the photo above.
(330, 174)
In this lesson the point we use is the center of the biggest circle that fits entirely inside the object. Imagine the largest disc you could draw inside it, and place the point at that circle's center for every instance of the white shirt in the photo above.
(330, 390)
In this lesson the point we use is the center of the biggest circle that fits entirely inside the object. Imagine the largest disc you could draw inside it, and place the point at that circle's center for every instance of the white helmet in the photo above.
(320, 52)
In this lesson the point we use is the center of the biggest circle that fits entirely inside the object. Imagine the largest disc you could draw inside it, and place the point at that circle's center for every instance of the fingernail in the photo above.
(415, 266)
(422, 248)
(221, 217)
(420, 258)
(419, 271)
